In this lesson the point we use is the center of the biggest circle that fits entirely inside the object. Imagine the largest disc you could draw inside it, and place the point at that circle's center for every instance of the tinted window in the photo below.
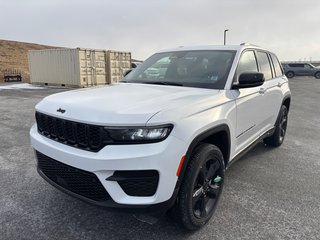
(247, 63)
(264, 65)
(296, 65)
(277, 67)
(307, 66)
(203, 69)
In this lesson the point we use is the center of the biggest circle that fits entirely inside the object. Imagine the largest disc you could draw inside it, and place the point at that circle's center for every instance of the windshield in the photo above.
(203, 69)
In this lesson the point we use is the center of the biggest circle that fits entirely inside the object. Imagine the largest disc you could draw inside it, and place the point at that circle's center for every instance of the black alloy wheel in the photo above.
(207, 188)
(283, 123)
(277, 138)
(201, 187)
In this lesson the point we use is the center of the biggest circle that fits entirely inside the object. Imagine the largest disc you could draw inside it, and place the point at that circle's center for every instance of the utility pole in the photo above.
(225, 36)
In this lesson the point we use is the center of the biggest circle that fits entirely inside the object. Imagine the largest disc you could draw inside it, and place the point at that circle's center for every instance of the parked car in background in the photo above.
(301, 69)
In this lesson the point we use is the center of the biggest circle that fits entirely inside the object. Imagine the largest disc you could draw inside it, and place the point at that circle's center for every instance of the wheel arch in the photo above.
(219, 136)
(286, 101)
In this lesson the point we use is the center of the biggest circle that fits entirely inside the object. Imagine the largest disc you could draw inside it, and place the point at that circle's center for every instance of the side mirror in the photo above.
(127, 72)
(249, 79)
(134, 65)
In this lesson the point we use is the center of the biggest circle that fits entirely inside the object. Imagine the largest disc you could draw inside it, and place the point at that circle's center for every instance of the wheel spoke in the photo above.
(284, 120)
(203, 209)
(213, 193)
(197, 193)
(203, 173)
(283, 124)
(212, 170)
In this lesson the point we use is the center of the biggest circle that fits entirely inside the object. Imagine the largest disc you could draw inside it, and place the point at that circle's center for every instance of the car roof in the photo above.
(240, 48)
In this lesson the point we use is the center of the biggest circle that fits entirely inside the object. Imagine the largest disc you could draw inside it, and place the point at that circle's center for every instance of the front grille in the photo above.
(80, 135)
(75, 180)
(137, 183)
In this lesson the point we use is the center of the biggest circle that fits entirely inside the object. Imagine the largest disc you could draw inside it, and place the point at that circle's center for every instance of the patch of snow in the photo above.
(20, 86)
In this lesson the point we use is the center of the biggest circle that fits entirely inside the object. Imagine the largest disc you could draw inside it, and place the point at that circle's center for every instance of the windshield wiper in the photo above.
(164, 83)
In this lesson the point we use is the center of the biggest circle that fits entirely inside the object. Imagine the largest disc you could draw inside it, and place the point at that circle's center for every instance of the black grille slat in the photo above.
(70, 135)
(44, 120)
(39, 122)
(60, 129)
(94, 137)
(75, 180)
(51, 128)
(82, 135)
(79, 135)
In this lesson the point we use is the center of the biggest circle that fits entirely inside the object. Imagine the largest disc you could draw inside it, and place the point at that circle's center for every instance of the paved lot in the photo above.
(269, 193)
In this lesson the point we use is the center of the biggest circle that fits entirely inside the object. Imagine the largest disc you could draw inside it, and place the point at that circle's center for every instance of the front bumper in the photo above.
(164, 157)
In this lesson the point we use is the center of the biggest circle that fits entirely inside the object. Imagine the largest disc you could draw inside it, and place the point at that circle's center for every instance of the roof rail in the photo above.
(248, 44)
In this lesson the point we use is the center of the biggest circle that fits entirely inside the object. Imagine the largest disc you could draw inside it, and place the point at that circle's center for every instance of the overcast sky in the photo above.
(290, 28)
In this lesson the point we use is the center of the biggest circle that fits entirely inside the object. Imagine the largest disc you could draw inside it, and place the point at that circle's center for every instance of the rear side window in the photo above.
(276, 65)
(247, 63)
(264, 65)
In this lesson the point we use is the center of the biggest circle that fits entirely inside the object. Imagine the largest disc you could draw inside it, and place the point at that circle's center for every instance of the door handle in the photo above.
(262, 90)
(279, 84)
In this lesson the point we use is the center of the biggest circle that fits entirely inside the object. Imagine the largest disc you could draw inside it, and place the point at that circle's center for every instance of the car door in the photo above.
(307, 70)
(271, 94)
(250, 104)
(298, 69)
(276, 95)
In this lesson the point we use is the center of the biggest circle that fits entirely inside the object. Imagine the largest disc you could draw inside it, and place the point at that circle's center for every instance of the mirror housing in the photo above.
(249, 79)
(127, 72)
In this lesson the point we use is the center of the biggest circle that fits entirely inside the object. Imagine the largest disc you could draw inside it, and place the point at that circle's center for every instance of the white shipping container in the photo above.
(118, 64)
(77, 67)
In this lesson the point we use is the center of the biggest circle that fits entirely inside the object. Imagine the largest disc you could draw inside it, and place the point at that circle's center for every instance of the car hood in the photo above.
(121, 104)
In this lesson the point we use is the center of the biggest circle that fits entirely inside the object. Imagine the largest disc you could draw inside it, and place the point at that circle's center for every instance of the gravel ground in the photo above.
(268, 194)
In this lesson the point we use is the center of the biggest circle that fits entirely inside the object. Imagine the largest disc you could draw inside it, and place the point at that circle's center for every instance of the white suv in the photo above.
(163, 141)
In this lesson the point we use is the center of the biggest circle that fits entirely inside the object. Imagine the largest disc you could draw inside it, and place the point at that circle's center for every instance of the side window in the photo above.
(277, 67)
(247, 63)
(296, 65)
(307, 66)
(264, 65)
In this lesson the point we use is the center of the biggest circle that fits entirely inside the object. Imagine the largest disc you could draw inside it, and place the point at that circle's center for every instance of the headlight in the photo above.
(139, 134)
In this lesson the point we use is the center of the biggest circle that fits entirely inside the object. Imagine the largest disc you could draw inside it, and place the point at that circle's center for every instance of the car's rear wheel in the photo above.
(290, 74)
(276, 139)
(201, 187)
(317, 75)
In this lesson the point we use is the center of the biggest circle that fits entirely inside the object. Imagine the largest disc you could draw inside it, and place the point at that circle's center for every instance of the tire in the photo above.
(201, 187)
(290, 74)
(277, 138)
(317, 75)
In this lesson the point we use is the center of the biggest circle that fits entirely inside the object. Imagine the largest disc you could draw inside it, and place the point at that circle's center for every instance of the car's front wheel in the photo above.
(201, 187)
(317, 75)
